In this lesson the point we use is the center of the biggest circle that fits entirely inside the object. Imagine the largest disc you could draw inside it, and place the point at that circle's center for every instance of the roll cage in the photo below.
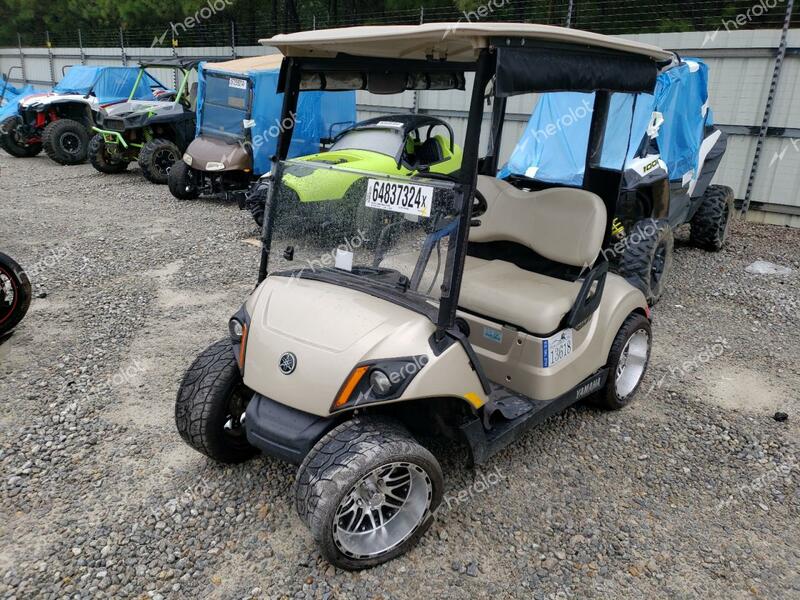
(514, 65)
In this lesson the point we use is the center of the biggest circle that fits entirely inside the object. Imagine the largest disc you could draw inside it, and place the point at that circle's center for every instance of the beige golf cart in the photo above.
(487, 309)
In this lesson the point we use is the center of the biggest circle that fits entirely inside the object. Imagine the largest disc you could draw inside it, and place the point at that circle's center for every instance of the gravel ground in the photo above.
(690, 492)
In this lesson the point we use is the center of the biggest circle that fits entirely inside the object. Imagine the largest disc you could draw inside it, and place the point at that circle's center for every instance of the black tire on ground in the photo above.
(12, 143)
(647, 258)
(66, 141)
(156, 159)
(255, 200)
(15, 293)
(102, 160)
(337, 465)
(712, 221)
(630, 350)
(210, 402)
(181, 181)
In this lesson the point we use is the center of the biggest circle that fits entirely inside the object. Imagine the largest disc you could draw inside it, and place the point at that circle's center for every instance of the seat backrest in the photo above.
(566, 225)
(430, 152)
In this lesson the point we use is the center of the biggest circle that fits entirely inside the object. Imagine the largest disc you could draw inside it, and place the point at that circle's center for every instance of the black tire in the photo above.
(712, 222)
(255, 200)
(339, 461)
(211, 395)
(66, 141)
(13, 143)
(156, 159)
(15, 293)
(181, 181)
(101, 160)
(647, 259)
(614, 397)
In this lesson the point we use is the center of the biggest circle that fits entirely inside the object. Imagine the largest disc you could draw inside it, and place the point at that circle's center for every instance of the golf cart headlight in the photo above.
(187, 158)
(377, 381)
(380, 383)
(236, 329)
(214, 166)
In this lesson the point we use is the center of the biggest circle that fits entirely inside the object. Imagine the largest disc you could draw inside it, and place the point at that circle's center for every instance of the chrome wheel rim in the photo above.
(382, 510)
(632, 362)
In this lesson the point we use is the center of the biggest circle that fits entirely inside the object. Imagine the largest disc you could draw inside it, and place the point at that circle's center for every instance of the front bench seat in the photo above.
(565, 225)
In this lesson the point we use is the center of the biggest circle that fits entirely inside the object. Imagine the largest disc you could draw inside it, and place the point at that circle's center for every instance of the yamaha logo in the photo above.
(287, 363)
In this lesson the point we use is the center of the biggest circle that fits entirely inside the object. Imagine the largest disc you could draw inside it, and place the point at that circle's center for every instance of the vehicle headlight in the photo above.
(236, 329)
(187, 158)
(377, 381)
(214, 166)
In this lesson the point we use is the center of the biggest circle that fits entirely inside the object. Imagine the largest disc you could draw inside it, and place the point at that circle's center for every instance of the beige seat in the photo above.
(565, 225)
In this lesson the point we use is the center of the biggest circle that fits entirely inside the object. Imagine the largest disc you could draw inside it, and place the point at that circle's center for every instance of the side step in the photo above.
(507, 415)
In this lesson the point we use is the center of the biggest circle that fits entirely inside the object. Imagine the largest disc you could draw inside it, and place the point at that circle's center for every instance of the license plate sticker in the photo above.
(407, 198)
(239, 84)
(556, 348)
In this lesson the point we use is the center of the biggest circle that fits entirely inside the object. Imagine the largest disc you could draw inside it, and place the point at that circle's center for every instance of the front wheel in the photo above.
(711, 223)
(627, 362)
(66, 141)
(211, 404)
(15, 293)
(181, 181)
(156, 159)
(102, 160)
(368, 492)
(13, 142)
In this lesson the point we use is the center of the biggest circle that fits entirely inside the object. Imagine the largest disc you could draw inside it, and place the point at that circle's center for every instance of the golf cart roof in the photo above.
(455, 42)
(270, 62)
(170, 62)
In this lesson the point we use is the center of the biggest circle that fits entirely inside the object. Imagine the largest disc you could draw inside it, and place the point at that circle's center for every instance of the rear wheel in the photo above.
(156, 159)
(368, 491)
(181, 181)
(15, 293)
(627, 362)
(102, 160)
(211, 404)
(13, 142)
(647, 258)
(66, 141)
(712, 222)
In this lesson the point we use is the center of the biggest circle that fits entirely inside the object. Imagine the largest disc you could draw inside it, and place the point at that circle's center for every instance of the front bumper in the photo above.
(281, 431)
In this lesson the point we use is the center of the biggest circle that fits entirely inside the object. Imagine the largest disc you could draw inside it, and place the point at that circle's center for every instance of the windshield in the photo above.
(225, 105)
(383, 141)
(383, 234)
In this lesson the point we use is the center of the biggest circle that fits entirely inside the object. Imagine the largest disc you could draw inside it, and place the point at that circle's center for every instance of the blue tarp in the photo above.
(11, 98)
(224, 108)
(108, 84)
(553, 147)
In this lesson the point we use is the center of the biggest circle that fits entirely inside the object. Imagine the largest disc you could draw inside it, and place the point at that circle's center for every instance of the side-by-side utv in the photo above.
(238, 124)
(673, 151)
(60, 121)
(153, 133)
(492, 309)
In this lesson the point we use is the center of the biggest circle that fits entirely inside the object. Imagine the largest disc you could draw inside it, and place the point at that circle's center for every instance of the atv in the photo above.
(59, 121)
(673, 151)
(154, 133)
(238, 125)
(492, 310)
(15, 294)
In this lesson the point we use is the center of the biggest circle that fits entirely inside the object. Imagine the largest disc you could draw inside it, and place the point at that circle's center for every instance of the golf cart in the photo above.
(15, 294)
(491, 311)
(153, 132)
(673, 153)
(401, 145)
(60, 121)
(238, 122)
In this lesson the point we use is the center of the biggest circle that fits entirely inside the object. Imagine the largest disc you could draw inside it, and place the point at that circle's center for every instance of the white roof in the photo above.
(454, 41)
(251, 63)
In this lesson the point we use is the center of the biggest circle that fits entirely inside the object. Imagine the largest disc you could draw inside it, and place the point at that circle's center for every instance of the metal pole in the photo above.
(421, 15)
(50, 57)
(22, 59)
(122, 48)
(233, 39)
(175, 54)
(570, 8)
(762, 134)
(80, 45)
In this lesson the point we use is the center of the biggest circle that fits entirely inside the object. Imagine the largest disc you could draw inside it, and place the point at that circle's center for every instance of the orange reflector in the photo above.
(348, 387)
(243, 346)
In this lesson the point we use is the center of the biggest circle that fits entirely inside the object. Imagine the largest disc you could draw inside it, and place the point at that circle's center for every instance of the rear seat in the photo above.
(565, 225)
